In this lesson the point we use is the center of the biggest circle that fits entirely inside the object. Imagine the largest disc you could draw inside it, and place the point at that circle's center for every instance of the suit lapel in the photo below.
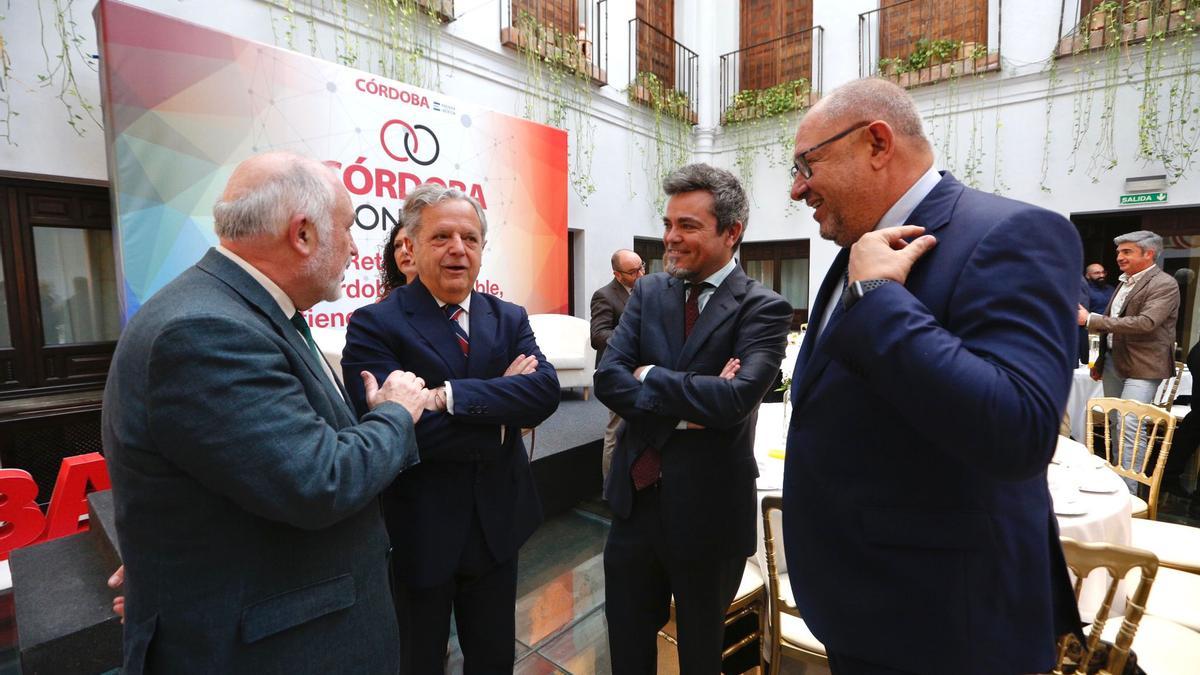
(253, 293)
(431, 324)
(721, 307)
(810, 361)
(933, 213)
(482, 336)
(1139, 287)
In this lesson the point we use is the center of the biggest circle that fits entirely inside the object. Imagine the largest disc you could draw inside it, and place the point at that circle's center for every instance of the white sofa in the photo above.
(567, 344)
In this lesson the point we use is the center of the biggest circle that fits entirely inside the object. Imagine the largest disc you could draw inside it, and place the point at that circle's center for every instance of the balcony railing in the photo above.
(663, 73)
(563, 32)
(772, 77)
(1091, 24)
(918, 42)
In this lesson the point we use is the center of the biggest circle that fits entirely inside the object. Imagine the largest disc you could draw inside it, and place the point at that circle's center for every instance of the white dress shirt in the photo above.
(895, 217)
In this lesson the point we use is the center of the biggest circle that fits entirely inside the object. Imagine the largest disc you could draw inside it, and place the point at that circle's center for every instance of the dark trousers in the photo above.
(841, 664)
(640, 576)
(1187, 438)
(483, 594)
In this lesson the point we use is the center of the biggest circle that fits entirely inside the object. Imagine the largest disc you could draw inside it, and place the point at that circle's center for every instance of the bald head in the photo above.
(265, 191)
(874, 99)
(289, 217)
(857, 152)
(1095, 272)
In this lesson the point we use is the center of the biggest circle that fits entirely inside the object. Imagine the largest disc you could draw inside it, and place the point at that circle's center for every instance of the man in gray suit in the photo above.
(245, 489)
(607, 304)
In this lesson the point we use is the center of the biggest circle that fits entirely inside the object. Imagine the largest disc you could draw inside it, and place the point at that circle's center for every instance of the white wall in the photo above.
(1008, 109)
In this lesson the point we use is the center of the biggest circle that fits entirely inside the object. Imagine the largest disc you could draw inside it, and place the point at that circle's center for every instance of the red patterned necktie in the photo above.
(452, 313)
(648, 466)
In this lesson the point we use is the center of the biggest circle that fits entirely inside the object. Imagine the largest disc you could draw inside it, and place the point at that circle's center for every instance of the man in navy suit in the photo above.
(917, 521)
(696, 349)
(457, 519)
(245, 490)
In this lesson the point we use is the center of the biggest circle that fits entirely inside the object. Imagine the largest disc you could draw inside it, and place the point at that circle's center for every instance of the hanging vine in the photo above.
(559, 92)
(1102, 44)
(60, 69)
(7, 113)
(760, 124)
(397, 39)
(671, 114)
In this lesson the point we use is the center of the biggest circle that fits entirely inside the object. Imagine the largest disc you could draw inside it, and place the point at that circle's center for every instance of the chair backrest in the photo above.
(1150, 429)
(1165, 396)
(1118, 562)
(773, 504)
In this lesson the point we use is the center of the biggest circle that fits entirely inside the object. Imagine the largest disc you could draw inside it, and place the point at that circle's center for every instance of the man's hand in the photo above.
(732, 366)
(435, 400)
(884, 254)
(400, 387)
(1082, 315)
(115, 582)
(522, 365)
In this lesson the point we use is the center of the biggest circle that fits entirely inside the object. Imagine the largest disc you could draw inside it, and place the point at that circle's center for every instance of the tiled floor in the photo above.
(561, 627)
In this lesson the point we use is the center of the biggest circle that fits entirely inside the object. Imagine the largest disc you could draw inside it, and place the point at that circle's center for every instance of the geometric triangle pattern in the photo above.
(184, 105)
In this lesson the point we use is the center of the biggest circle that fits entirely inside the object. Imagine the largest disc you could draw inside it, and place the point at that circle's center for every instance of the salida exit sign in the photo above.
(1144, 198)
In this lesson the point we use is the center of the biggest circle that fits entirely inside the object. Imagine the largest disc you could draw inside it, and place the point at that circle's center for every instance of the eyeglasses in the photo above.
(640, 269)
(800, 165)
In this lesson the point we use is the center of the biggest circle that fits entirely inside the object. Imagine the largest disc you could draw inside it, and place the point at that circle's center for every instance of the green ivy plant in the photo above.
(758, 121)
(400, 50)
(672, 127)
(1104, 50)
(559, 92)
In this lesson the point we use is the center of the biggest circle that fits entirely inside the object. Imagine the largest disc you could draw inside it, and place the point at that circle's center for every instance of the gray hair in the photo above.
(729, 199)
(876, 99)
(430, 194)
(1143, 239)
(267, 207)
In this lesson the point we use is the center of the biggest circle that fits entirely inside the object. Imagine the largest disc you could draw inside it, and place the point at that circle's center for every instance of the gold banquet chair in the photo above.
(1165, 396)
(1155, 653)
(750, 599)
(1118, 561)
(786, 634)
(1155, 428)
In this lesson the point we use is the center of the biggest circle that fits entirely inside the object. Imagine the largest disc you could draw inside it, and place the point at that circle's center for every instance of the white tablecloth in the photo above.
(1083, 387)
(1081, 485)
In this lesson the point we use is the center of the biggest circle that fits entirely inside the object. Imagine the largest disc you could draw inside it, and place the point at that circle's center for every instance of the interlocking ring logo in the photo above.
(412, 143)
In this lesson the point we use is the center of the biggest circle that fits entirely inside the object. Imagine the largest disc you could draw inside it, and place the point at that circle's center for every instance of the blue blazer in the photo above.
(917, 519)
(465, 466)
(707, 495)
(245, 490)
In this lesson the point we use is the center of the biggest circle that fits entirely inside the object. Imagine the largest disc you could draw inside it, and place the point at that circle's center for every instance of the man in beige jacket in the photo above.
(1137, 344)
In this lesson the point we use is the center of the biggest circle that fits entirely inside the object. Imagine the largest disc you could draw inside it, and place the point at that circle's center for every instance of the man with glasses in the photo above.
(918, 525)
(607, 304)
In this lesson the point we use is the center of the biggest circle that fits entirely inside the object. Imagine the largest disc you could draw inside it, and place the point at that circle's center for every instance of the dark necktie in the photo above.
(691, 308)
(647, 467)
(302, 327)
(452, 313)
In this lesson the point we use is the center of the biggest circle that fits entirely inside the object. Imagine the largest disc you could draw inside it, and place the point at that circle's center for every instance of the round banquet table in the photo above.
(1090, 501)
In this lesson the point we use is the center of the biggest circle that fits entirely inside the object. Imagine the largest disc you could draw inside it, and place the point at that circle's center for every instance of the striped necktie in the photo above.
(452, 313)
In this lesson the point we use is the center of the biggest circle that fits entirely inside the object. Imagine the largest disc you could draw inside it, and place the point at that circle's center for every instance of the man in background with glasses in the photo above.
(926, 398)
(607, 304)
